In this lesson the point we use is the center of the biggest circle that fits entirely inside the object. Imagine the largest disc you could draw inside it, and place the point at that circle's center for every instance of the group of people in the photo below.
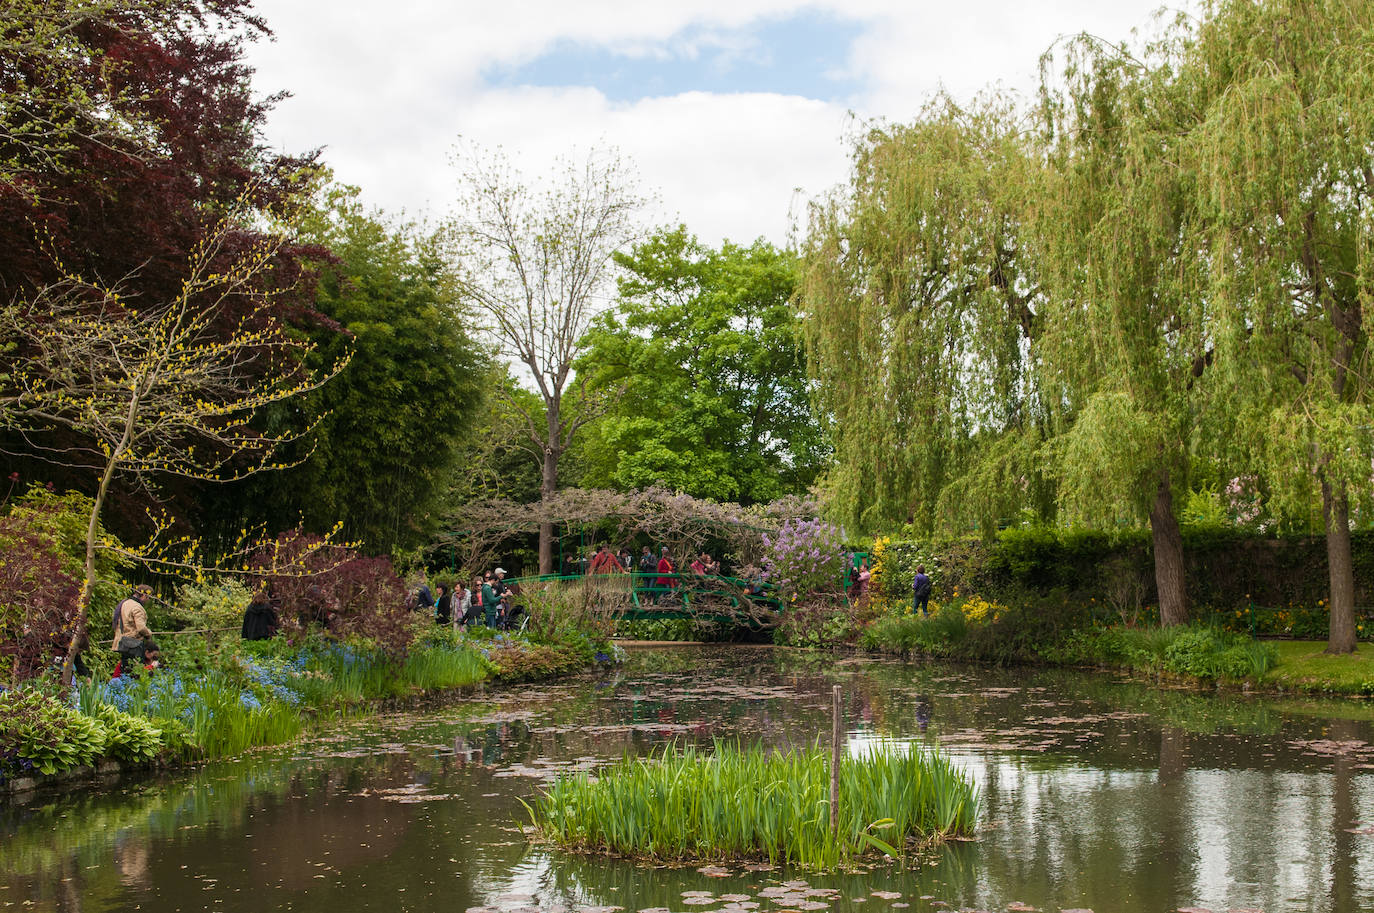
(605, 561)
(860, 575)
(490, 601)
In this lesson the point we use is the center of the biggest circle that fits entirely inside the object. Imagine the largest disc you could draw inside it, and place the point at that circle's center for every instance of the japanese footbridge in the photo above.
(701, 597)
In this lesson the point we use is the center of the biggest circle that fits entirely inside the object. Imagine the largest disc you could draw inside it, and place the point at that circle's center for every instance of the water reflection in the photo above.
(1098, 794)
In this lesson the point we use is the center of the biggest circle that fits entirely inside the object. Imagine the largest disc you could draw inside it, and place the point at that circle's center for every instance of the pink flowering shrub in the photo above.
(805, 557)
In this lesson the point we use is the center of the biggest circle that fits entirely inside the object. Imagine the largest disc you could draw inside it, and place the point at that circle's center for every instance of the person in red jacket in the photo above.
(603, 562)
(663, 582)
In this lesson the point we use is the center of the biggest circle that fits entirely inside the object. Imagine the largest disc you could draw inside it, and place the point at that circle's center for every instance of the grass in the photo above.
(756, 803)
(438, 668)
(1303, 666)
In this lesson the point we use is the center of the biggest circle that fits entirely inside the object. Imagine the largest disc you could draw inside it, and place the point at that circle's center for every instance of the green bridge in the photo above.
(637, 595)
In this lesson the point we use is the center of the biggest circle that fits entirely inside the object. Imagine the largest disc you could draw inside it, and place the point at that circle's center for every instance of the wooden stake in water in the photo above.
(835, 762)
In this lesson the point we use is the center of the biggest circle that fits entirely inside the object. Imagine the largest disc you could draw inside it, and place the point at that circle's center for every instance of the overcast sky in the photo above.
(733, 112)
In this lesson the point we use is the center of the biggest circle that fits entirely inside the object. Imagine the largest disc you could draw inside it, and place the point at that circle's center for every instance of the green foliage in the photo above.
(1208, 653)
(940, 634)
(822, 622)
(918, 297)
(127, 737)
(754, 803)
(707, 350)
(212, 605)
(520, 661)
(676, 629)
(38, 733)
(562, 611)
(396, 416)
(63, 517)
(442, 667)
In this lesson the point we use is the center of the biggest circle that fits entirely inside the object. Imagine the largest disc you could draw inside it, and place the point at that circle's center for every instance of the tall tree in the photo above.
(537, 264)
(919, 305)
(395, 419)
(161, 140)
(1284, 157)
(707, 348)
(1123, 340)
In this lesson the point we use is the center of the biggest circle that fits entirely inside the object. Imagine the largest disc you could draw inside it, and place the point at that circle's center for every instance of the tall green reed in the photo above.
(756, 803)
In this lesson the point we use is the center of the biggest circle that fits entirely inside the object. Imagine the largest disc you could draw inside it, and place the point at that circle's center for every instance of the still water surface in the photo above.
(1097, 795)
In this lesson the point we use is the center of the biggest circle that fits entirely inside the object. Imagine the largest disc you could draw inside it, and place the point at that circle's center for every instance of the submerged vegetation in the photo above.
(755, 803)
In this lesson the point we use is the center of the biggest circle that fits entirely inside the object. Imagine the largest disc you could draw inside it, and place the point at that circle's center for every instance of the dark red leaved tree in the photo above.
(127, 208)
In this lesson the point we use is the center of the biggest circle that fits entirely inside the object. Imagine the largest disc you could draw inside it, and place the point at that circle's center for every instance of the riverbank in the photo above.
(1059, 632)
(244, 696)
(1304, 667)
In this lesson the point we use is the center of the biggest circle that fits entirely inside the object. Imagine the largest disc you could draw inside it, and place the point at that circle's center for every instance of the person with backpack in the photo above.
(131, 624)
(920, 591)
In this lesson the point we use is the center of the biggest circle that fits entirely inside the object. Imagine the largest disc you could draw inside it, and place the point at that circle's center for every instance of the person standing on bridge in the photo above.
(603, 562)
(665, 568)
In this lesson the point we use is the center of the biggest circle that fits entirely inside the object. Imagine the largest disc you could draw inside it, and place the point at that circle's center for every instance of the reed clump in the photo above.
(755, 803)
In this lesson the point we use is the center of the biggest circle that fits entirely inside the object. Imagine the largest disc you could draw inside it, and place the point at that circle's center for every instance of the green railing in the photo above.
(676, 595)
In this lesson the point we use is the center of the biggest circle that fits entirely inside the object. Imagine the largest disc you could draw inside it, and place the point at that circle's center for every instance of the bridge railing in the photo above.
(671, 595)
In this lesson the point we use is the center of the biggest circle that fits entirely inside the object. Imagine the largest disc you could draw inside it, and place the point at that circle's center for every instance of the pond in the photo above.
(1098, 795)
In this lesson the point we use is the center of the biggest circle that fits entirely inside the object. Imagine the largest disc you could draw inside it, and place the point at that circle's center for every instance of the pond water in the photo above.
(1098, 795)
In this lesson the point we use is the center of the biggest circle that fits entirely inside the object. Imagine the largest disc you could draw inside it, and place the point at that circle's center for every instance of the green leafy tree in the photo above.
(1123, 341)
(496, 459)
(1283, 152)
(919, 306)
(396, 419)
(705, 355)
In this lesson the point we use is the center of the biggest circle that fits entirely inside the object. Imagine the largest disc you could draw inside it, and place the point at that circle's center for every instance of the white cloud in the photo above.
(387, 88)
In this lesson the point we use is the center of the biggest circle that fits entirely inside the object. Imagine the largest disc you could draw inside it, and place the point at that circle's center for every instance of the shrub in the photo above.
(515, 661)
(805, 557)
(128, 737)
(210, 605)
(39, 733)
(1209, 653)
(339, 589)
(38, 598)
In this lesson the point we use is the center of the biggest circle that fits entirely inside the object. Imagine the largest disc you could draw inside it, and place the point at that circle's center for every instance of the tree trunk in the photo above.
(1340, 567)
(547, 487)
(83, 605)
(1168, 548)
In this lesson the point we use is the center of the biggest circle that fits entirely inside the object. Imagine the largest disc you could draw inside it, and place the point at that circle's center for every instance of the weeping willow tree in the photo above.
(1123, 343)
(917, 309)
(1284, 158)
